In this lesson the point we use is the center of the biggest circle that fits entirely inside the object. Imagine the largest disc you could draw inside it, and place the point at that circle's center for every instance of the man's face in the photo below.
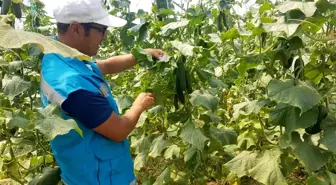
(95, 35)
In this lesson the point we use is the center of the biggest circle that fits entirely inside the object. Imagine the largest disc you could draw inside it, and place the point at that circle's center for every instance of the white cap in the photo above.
(85, 11)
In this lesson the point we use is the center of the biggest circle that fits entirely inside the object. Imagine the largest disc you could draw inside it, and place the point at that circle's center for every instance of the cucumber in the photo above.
(316, 128)
(188, 83)
(179, 91)
(182, 73)
(176, 101)
(17, 10)
(263, 39)
(5, 6)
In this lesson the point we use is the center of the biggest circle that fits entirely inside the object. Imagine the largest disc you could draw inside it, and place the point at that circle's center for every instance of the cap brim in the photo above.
(112, 21)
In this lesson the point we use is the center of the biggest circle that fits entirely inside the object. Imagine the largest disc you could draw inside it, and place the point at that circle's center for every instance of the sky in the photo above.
(146, 5)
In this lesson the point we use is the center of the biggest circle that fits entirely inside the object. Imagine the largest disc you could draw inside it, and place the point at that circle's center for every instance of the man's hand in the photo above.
(117, 127)
(156, 53)
(144, 101)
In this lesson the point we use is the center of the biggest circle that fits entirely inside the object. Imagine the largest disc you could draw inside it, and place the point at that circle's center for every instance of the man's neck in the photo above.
(63, 39)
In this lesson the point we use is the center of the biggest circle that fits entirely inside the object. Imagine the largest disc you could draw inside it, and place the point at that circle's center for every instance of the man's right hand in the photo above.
(118, 127)
(144, 101)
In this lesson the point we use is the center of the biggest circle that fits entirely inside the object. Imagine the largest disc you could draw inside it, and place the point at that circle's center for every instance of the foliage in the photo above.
(262, 105)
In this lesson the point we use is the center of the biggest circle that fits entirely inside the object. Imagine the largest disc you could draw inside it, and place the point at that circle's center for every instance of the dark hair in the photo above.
(63, 27)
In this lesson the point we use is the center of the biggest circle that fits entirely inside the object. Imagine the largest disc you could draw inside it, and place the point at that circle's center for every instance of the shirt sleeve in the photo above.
(91, 109)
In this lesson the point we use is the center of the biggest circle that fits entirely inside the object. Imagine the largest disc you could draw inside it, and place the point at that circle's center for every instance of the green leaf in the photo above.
(290, 117)
(223, 136)
(14, 85)
(246, 63)
(124, 101)
(208, 117)
(142, 145)
(141, 56)
(318, 179)
(193, 136)
(155, 110)
(158, 145)
(267, 169)
(204, 98)
(332, 177)
(185, 49)
(172, 151)
(142, 120)
(214, 37)
(247, 139)
(308, 8)
(301, 95)
(328, 138)
(140, 160)
(51, 176)
(54, 125)
(15, 66)
(247, 108)
(309, 155)
(242, 163)
(18, 121)
(174, 25)
(164, 177)
(17, 38)
(230, 34)
(281, 26)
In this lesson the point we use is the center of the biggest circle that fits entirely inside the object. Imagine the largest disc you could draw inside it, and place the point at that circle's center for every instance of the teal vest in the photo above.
(92, 159)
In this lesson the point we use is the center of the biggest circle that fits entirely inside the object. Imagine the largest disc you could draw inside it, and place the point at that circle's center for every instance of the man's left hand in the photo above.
(156, 53)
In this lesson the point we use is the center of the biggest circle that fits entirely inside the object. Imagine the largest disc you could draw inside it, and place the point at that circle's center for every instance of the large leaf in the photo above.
(248, 107)
(124, 101)
(141, 145)
(223, 136)
(193, 136)
(267, 169)
(329, 134)
(15, 38)
(140, 160)
(54, 126)
(174, 25)
(204, 98)
(172, 151)
(18, 120)
(281, 26)
(242, 163)
(247, 139)
(309, 155)
(290, 117)
(185, 49)
(301, 95)
(14, 85)
(158, 145)
(318, 179)
(308, 8)
(164, 177)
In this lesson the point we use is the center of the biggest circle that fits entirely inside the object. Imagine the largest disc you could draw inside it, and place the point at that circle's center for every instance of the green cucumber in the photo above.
(179, 91)
(5, 6)
(17, 10)
(182, 73)
(188, 83)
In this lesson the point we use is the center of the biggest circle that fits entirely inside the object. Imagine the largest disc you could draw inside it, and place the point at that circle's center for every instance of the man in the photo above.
(102, 156)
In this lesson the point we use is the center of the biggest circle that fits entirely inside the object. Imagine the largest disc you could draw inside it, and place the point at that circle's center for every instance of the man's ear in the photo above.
(76, 28)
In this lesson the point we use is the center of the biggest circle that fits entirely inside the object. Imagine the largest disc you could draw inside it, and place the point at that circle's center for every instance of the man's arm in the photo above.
(94, 112)
(116, 64)
(123, 62)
